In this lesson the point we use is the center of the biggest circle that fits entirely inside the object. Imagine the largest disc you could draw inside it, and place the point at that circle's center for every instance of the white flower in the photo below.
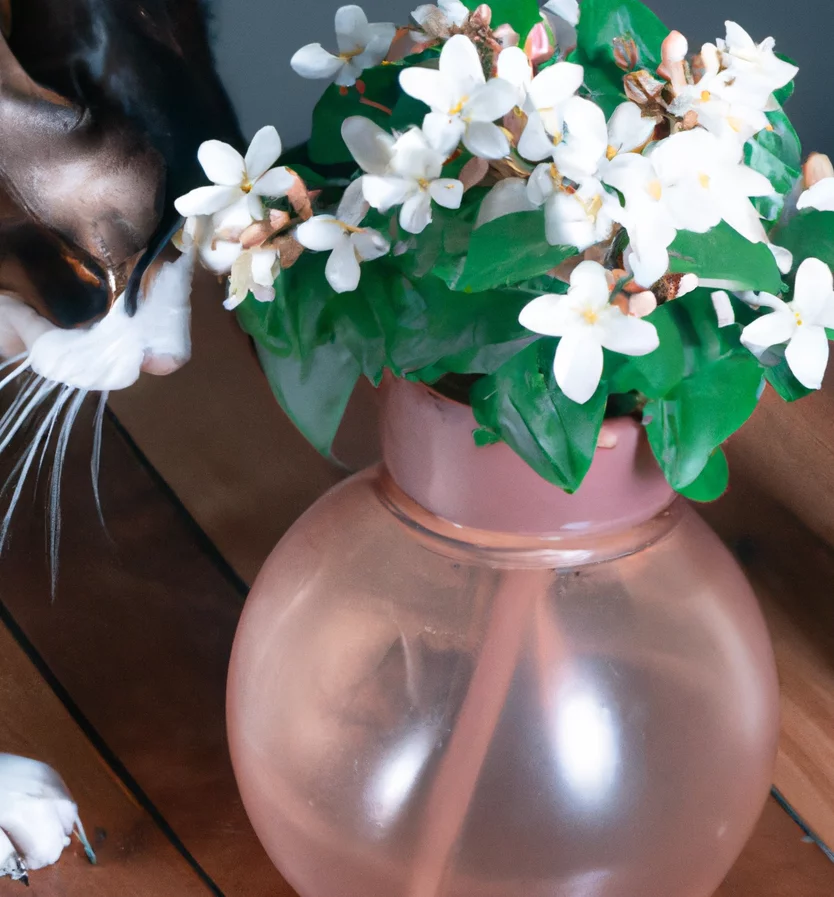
(438, 21)
(347, 243)
(723, 104)
(548, 95)
(37, 816)
(514, 67)
(587, 323)
(254, 271)
(820, 196)
(464, 104)
(238, 183)
(506, 197)
(628, 130)
(216, 254)
(690, 181)
(800, 323)
(755, 67)
(361, 46)
(413, 181)
(573, 217)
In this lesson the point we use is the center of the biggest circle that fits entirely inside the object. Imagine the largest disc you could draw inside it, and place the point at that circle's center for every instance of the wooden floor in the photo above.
(119, 682)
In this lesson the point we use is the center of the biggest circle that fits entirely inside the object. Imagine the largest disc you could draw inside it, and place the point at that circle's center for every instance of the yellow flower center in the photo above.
(593, 207)
(590, 315)
(246, 186)
(351, 54)
(706, 96)
(610, 152)
(798, 317)
(703, 180)
(655, 189)
(456, 110)
(557, 139)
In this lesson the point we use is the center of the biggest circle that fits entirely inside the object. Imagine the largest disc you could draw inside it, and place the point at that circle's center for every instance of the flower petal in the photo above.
(567, 224)
(383, 193)
(320, 233)
(428, 86)
(813, 290)
(628, 129)
(353, 206)
(446, 192)
(222, 163)
(313, 61)
(590, 282)
(460, 65)
(627, 335)
(578, 365)
(820, 196)
(263, 262)
(549, 314)
(771, 329)
(807, 355)
(264, 151)
(443, 132)
(514, 67)
(369, 144)
(370, 244)
(556, 84)
(275, 183)
(352, 29)
(506, 197)
(207, 200)
(535, 144)
(486, 140)
(342, 268)
(490, 102)
(382, 35)
(415, 215)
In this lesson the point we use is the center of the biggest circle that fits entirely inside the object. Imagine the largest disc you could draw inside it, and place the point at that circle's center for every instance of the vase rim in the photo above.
(431, 456)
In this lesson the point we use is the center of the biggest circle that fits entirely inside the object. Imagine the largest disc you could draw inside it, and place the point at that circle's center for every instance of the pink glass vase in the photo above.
(452, 679)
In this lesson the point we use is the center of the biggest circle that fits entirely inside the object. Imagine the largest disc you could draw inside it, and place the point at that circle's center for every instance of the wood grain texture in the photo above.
(131, 850)
(792, 571)
(139, 635)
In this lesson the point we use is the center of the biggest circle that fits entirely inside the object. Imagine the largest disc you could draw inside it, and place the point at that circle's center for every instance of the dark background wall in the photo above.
(256, 38)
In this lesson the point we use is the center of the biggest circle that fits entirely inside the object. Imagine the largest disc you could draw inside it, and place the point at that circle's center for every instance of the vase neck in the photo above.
(430, 454)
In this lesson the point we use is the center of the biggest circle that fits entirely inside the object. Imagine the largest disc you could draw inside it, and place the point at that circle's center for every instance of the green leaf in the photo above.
(699, 415)
(509, 250)
(658, 373)
(523, 405)
(314, 393)
(326, 146)
(810, 234)
(781, 378)
(521, 15)
(713, 480)
(603, 25)
(776, 154)
(723, 254)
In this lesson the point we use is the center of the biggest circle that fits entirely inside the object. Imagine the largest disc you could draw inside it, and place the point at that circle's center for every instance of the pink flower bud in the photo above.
(539, 46)
(642, 304)
(507, 36)
(817, 168)
(673, 52)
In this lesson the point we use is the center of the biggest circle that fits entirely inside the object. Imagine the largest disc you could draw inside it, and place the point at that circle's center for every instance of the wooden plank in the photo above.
(139, 635)
(792, 569)
(134, 858)
(778, 863)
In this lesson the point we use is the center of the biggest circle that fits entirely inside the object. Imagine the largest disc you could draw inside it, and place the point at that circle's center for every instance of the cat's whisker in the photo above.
(8, 430)
(23, 467)
(95, 461)
(55, 483)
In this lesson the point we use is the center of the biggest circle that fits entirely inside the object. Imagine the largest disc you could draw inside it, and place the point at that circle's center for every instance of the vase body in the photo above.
(577, 701)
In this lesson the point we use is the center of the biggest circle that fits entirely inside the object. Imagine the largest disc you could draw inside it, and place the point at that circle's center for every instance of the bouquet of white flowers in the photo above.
(566, 207)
